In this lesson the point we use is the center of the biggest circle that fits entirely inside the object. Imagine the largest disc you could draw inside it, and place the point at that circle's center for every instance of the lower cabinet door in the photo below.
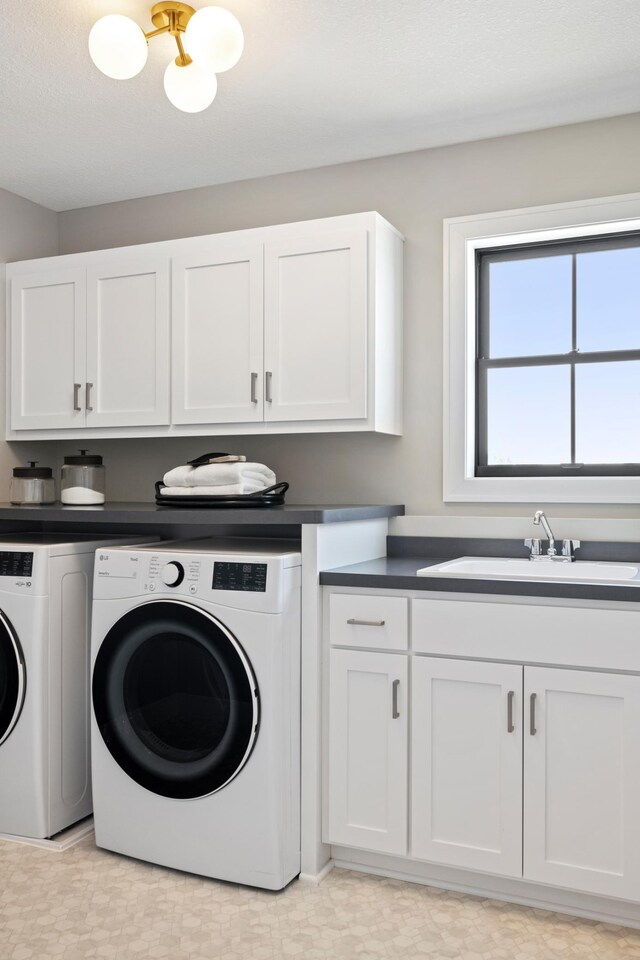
(582, 781)
(466, 730)
(368, 747)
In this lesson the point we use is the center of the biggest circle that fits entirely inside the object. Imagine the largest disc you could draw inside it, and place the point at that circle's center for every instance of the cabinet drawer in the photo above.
(366, 621)
(604, 639)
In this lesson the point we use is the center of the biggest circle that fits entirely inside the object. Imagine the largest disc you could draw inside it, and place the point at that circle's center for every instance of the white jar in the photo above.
(83, 480)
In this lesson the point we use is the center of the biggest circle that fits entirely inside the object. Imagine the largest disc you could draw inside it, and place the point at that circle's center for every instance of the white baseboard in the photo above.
(317, 878)
(61, 842)
(588, 906)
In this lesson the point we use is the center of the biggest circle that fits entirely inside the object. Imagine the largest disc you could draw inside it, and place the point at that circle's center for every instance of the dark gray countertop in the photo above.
(150, 513)
(399, 573)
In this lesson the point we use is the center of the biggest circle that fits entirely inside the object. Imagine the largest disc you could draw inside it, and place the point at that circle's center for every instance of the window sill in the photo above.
(541, 489)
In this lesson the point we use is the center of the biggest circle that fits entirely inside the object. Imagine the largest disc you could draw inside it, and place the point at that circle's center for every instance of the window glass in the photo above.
(608, 412)
(529, 415)
(608, 299)
(530, 306)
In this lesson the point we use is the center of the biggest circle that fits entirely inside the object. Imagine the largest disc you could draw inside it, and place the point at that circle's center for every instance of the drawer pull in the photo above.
(532, 714)
(87, 397)
(76, 396)
(268, 377)
(395, 713)
(366, 623)
(254, 381)
(510, 725)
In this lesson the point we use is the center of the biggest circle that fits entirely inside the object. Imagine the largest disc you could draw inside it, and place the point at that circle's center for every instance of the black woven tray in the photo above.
(270, 497)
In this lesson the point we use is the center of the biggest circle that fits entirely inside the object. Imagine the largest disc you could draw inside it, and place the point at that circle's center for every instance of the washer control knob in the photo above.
(172, 574)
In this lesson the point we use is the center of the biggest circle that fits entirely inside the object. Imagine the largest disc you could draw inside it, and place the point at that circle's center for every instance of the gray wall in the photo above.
(26, 230)
(415, 192)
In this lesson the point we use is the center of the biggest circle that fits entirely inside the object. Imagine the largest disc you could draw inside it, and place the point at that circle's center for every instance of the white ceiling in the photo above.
(320, 82)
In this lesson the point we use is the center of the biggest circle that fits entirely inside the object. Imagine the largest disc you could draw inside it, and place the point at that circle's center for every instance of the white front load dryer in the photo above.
(45, 616)
(196, 707)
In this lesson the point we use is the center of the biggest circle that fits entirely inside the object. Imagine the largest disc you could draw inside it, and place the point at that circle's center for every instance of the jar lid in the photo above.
(32, 472)
(84, 460)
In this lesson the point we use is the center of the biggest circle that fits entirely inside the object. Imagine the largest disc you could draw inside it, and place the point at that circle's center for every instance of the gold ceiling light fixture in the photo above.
(209, 41)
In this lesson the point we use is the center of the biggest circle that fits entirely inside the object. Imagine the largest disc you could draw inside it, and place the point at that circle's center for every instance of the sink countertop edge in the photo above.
(400, 573)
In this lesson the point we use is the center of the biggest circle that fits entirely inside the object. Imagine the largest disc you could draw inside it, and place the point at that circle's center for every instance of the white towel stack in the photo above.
(217, 480)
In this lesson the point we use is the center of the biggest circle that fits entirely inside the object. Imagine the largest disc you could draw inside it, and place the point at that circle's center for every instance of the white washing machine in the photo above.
(196, 707)
(45, 616)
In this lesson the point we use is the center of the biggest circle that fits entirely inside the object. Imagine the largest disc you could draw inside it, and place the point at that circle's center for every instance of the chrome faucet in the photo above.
(540, 518)
(535, 546)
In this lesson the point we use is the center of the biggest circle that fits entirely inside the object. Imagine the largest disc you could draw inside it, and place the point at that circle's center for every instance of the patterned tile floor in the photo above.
(87, 903)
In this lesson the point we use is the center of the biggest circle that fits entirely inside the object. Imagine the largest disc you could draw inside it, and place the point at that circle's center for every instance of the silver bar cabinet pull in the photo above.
(76, 396)
(510, 725)
(532, 714)
(366, 623)
(395, 713)
(254, 381)
(87, 397)
(267, 386)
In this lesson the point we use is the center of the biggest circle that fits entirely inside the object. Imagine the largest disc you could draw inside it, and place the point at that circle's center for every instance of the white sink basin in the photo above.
(490, 568)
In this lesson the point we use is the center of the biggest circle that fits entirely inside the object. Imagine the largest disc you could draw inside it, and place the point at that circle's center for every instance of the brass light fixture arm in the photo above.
(172, 17)
(156, 33)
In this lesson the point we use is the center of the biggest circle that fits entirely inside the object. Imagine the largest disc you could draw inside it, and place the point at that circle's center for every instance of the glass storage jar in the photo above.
(32, 484)
(83, 480)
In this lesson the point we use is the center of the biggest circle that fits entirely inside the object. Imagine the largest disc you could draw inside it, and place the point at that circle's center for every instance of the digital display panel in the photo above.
(240, 576)
(13, 564)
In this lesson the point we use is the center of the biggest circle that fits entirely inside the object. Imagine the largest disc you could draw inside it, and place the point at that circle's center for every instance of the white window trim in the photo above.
(462, 237)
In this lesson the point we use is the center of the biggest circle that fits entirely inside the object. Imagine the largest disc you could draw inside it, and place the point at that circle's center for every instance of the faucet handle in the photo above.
(568, 546)
(535, 546)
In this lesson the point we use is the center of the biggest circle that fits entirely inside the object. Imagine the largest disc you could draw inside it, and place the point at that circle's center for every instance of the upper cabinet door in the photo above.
(466, 727)
(127, 382)
(218, 336)
(316, 328)
(48, 313)
(582, 781)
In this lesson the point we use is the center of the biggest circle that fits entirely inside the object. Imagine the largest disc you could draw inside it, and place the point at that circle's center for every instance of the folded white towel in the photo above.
(221, 475)
(225, 490)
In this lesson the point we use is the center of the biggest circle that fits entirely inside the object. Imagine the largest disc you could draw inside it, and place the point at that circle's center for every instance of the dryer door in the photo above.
(175, 699)
(12, 678)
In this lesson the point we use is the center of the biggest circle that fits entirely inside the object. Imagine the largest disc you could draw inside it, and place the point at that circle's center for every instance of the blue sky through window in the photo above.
(528, 408)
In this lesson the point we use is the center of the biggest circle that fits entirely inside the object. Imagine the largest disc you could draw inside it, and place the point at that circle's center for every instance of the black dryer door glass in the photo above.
(175, 699)
(12, 678)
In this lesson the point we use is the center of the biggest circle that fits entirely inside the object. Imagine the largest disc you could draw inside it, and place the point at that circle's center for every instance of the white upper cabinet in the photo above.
(47, 358)
(127, 380)
(295, 328)
(316, 328)
(582, 781)
(218, 335)
(89, 347)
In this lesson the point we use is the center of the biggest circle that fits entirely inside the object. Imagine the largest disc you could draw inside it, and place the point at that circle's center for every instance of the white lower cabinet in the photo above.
(512, 769)
(368, 751)
(582, 781)
(466, 730)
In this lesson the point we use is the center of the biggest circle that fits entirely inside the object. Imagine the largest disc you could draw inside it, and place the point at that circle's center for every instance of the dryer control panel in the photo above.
(248, 577)
(15, 563)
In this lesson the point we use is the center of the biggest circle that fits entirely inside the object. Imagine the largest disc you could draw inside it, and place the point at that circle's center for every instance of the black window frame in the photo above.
(483, 362)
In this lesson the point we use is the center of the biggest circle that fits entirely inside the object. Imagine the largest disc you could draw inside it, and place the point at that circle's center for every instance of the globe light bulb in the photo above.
(190, 89)
(214, 39)
(118, 47)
